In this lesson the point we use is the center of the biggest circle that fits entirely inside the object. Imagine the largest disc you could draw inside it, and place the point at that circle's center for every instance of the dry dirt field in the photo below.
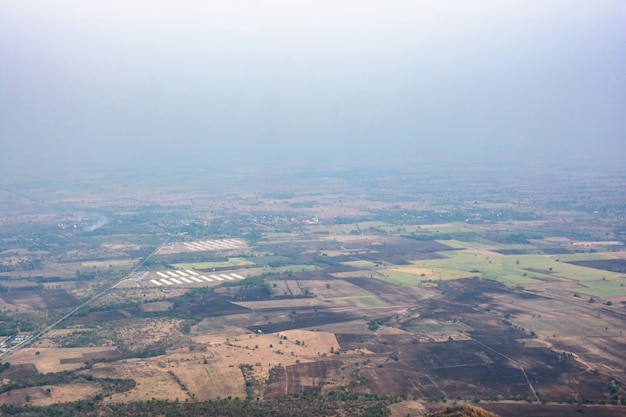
(59, 359)
(39, 396)
(210, 367)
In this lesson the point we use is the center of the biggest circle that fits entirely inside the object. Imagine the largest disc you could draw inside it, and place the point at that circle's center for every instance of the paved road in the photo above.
(41, 333)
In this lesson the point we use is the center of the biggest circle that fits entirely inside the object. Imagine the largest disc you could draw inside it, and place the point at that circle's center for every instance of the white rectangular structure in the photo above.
(188, 281)
(162, 275)
(174, 280)
(205, 278)
(191, 272)
(217, 278)
(189, 246)
(204, 246)
(155, 282)
(171, 274)
(166, 282)
(237, 276)
(211, 243)
(196, 279)
(181, 273)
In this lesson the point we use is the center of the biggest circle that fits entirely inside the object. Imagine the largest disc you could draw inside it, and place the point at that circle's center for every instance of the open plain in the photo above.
(343, 292)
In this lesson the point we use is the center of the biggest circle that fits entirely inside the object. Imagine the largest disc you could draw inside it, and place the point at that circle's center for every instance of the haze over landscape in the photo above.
(196, 84)
(313, 208)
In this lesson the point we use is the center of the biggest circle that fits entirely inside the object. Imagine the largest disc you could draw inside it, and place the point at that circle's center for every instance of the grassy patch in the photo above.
(295, 268)
(506, 269)
(399, 277)
(358, 301)
(361, 264)
(448, 228)
(476, 260)
(376, 224)
(113, 263)
(605, 288)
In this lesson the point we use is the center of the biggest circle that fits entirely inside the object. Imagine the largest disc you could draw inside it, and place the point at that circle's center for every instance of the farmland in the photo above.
(424, 295)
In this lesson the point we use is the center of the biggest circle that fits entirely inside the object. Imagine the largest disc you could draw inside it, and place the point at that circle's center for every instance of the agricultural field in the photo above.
(339, 295)
(230, 263)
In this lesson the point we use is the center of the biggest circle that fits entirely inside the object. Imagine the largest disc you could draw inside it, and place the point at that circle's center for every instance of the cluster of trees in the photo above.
(373, 325)
(109, 385)
(12, 325)
(148, 351)
(304, 405)
(29, 264)
(34, 287)
(463, 411)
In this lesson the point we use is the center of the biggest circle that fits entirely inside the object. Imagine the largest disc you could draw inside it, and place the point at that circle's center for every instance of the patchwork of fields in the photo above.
(380, 298)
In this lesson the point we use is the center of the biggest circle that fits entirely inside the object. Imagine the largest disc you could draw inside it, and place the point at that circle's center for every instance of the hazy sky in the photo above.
(174, 84)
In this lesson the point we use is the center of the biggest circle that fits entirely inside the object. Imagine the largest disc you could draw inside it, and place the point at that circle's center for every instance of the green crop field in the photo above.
(114, 263)
(357, 301)
(399, 277)
(477, 260)
(466, 263)
(360, 264)
(295, 268)
(604, 288)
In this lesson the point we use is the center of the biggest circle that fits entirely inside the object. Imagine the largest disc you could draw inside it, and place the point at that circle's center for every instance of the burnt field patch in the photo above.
(388, 292)
(86, 357)
(394, 379)
(482, 381)
(309, 275)
(353, 341)
(251, 294)
(457, 286)
(300, 378)
(20, 370)
(555, 251)
(401, 253)
(95, 317)
(552, 410)
(40, 299)
(493, 361)
(428, 356)
(470, 291)
(475, 290)
(612, 265)
(541, 364)
(213, 305)
(305, 320)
